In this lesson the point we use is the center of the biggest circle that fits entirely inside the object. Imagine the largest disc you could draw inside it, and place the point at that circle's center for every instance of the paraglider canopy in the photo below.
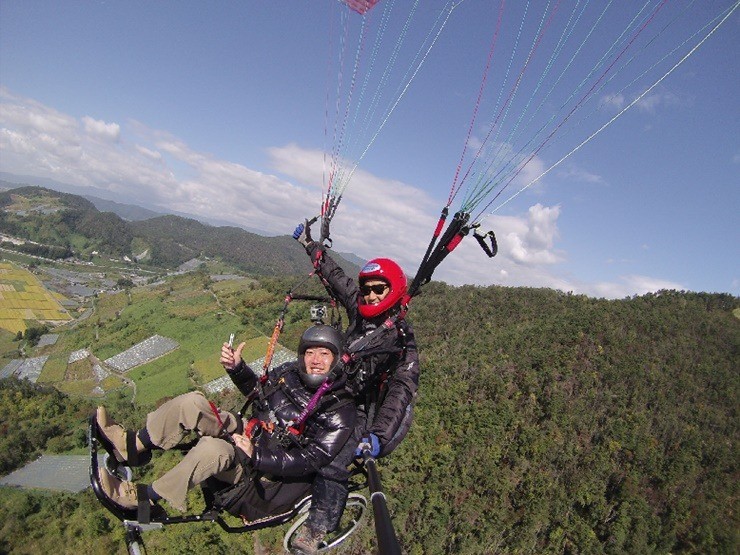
(360, 6)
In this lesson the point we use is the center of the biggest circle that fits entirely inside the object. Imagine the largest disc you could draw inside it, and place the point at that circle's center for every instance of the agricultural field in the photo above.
(195, 312)
(24, 299)
(191, 312)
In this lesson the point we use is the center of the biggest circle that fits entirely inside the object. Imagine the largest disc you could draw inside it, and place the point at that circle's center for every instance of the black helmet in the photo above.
(319, 335)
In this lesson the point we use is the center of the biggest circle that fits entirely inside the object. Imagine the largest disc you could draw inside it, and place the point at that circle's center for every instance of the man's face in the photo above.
(374, 290)
(318, 360)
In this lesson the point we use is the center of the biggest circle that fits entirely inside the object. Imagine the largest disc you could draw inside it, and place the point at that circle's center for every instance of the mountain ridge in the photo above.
(114, 203)
(67, 221)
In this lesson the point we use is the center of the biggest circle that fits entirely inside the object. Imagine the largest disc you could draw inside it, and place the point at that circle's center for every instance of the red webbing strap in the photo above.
(454, 242)
(296, 431)
(273, 340)
(214, 409)
(251, 425)
(440, 223)
(432, 242)
(317, 258)
(456, 230)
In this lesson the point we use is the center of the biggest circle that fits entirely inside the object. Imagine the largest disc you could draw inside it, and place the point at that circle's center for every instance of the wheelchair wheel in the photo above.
(134, 541)
(352, 519)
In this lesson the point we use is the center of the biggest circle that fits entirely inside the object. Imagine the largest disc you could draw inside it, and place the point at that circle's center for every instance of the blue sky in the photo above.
(225, 110)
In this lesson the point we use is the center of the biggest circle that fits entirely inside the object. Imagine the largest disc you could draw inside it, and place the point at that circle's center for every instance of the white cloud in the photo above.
(102, 130)
(151, 154)
(530, 240)
(629, 285)
(33, 116)
(304, 165)
(573, 173)
(11, 141)
(614, 101)
(377, 217)
(648, 104)
(525, 256)
(667, 99)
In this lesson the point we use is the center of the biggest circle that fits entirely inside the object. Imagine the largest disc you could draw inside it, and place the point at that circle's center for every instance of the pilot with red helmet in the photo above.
(382, 285)
(384, 381)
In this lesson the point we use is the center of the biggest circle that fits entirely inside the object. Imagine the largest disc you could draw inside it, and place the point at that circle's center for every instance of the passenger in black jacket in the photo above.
(262, 449)
(384, 377)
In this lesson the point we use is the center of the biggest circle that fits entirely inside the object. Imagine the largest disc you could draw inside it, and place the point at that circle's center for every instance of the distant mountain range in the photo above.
(113, 204)
(61, 223)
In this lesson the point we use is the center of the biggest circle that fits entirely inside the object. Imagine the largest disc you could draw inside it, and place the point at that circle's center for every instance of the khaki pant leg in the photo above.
(210, 457)
(190, 412)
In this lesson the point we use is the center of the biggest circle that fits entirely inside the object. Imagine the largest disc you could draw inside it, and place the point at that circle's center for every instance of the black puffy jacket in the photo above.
(285, 396)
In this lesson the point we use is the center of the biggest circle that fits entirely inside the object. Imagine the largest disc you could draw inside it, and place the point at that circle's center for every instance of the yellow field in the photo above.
(23, 297)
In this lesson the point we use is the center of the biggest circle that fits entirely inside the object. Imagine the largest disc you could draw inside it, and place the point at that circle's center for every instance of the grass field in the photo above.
(8, 345)
(23, 298)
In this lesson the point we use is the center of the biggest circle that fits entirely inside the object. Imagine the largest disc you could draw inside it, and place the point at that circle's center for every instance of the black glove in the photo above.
(302, 232)
(325, 231)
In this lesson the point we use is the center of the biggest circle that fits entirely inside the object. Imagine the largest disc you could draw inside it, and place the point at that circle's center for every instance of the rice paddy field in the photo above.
(23, 300)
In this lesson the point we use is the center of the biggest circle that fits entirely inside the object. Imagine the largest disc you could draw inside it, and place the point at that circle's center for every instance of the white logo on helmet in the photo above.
(371, 267)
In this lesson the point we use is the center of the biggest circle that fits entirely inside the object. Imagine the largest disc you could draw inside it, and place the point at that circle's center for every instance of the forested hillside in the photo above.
(174, 240)
(560, 423)
(546, 423)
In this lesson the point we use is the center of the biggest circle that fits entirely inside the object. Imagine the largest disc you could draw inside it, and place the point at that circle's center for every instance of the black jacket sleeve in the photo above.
(402, 385)
(243, 377)
(342, 286)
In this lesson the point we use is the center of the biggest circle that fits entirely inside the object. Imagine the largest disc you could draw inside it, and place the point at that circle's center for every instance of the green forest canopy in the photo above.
(546, 423)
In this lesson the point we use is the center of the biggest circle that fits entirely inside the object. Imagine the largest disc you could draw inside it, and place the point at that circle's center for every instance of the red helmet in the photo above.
(388, 271)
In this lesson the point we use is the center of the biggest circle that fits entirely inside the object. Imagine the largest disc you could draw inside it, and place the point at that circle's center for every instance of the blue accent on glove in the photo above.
(302, 233)
(371, 443)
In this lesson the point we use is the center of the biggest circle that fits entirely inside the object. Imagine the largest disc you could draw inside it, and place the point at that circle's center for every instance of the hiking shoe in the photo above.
(114, 436)
(120, 492)
(307, 541)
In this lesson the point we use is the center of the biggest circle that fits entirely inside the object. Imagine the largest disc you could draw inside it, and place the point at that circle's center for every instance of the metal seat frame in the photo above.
(158, 518)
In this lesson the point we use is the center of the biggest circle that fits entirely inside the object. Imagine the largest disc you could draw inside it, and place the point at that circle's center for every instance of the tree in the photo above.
(124, 283)
(33, 334)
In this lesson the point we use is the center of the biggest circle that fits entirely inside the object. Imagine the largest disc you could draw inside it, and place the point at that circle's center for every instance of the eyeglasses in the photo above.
(378, 289)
